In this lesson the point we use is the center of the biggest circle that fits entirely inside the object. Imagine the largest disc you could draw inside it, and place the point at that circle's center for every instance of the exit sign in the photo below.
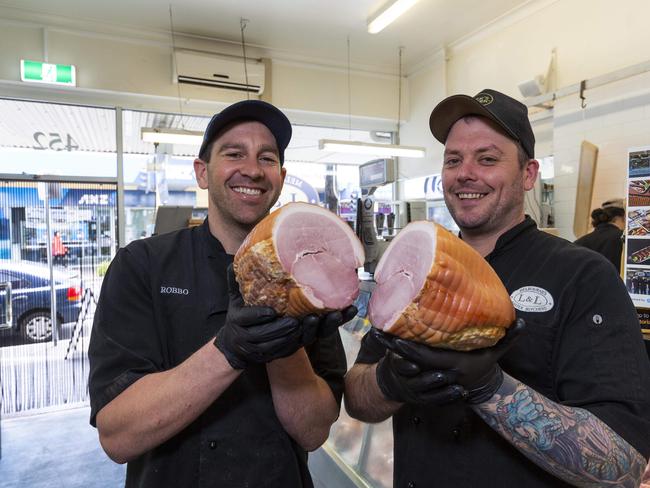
(56, 74)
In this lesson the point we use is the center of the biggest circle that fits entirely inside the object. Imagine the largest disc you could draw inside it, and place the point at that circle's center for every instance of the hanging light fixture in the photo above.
(389, 14)
(370, 148)
(357, 147)
(171, 136)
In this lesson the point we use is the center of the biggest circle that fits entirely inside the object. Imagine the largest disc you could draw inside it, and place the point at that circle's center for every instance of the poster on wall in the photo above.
(637, 229)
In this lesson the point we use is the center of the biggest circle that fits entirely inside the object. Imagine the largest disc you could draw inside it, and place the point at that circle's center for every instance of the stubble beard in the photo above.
(491, 218)
(236, 216)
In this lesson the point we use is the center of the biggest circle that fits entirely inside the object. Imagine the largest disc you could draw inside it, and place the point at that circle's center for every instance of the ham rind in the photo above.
(434, 288)
(300, 259)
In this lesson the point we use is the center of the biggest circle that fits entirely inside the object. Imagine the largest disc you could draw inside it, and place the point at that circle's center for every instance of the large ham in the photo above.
(300, 259)
(434, 288)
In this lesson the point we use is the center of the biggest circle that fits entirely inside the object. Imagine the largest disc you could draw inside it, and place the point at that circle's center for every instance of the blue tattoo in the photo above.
(568, 442)
(530, 421)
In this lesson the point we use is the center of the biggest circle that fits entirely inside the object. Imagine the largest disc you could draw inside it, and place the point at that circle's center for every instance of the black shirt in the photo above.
(605, 239)
(582, 348)
(162, 299)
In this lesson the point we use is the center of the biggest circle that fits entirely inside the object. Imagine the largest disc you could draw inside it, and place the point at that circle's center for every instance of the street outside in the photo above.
(43, 375)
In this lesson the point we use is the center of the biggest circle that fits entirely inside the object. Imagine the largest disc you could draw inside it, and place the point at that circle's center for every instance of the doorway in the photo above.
(56, 239)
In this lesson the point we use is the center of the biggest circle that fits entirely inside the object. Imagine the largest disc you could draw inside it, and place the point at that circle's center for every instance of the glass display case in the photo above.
(362, 453)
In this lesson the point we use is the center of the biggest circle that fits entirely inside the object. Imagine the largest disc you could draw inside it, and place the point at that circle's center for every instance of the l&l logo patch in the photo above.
(532, 299)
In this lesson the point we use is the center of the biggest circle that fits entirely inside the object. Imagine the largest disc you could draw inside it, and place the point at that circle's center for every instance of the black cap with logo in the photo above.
(248, 110)
(510, 114)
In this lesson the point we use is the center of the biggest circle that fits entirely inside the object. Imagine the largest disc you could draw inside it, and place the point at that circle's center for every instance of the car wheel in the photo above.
(36, 326)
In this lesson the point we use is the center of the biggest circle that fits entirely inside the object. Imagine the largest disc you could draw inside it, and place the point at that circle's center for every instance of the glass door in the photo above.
(58, 214)
(56, 239)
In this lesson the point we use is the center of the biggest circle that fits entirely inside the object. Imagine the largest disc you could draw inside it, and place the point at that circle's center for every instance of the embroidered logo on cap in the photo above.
(532, 299)
(484, 98)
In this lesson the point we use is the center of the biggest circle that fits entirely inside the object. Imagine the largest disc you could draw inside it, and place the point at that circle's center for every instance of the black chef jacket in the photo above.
(606, 239)
(582, 348)
(162, 299)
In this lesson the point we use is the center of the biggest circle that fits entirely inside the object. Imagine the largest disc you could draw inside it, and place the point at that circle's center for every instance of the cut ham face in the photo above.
(434, 288)
(300, 259)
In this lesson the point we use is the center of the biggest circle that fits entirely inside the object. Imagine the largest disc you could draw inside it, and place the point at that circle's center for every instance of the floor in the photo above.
(58, 449)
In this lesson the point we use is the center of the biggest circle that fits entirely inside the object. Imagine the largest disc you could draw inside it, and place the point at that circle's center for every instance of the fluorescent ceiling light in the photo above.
(388, 14)
(356, 147)
(172, 136)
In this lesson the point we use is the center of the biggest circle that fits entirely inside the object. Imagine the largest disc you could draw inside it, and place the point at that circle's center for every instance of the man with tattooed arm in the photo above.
(564, 398)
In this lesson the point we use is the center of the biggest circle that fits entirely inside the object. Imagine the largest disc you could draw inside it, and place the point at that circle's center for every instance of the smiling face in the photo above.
(243, 177)
(483, 182)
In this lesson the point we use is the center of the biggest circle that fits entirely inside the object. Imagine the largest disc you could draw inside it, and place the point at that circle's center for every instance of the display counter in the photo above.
(356, 454)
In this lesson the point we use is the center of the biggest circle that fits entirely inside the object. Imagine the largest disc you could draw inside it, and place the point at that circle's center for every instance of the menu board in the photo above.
(637, 229)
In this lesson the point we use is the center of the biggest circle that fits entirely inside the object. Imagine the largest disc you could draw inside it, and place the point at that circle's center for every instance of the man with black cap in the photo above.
(563, 399)
(188, 385)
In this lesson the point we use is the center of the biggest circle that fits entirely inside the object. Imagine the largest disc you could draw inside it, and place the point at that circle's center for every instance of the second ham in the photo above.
(434, 288)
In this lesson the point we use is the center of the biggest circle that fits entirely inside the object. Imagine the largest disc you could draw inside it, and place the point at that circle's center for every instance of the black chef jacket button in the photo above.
(416, 420)
(456, 433)
(411, 484)
(213, 444)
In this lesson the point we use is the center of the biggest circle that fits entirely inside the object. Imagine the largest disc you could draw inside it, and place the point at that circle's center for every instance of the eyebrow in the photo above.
(483, 149)
(230, 145)
(490, 147)
(269, 148)
(242, 147)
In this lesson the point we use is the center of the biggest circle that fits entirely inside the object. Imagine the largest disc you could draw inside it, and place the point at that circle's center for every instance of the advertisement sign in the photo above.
(644, 319)
(297, 190)
(637, 229)
(427, 187)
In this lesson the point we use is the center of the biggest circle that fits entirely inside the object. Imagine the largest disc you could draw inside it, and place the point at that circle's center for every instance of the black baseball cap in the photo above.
(510, 114)
(247, 110)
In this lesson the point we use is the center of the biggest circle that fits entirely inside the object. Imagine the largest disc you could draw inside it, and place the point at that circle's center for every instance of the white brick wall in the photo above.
(616, 117)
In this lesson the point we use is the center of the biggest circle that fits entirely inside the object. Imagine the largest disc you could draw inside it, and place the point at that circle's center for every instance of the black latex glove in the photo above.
(319, 326)
(255, 334)
(476, 371)
(403, 381)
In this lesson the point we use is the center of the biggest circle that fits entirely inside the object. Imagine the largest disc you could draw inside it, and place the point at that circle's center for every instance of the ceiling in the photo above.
(315, 30)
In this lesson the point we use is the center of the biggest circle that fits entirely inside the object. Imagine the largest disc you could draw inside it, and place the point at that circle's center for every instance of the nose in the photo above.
(465, 171)
(250, 167)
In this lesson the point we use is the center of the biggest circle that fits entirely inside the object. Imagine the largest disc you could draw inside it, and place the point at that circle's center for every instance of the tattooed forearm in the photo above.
(571, 443)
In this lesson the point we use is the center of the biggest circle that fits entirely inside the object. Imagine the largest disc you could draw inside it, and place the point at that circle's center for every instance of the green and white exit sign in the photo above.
(56, 74)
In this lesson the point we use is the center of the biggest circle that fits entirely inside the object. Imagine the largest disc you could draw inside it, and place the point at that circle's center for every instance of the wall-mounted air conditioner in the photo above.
(218, 71)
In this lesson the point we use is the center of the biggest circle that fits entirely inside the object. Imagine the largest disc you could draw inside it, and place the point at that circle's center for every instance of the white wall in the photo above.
(617, 117)
(427, 88)
(136, 70)
(592, 38)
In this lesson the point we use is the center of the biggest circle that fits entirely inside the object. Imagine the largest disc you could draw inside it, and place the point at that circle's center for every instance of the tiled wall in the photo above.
(616, 118)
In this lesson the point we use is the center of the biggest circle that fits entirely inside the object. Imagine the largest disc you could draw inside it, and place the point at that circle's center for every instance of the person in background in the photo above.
(188, 385)
(561, 401)
(58, 249)
(607, 237)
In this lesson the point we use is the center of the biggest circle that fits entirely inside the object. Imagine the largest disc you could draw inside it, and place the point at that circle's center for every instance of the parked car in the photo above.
(30, 298)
